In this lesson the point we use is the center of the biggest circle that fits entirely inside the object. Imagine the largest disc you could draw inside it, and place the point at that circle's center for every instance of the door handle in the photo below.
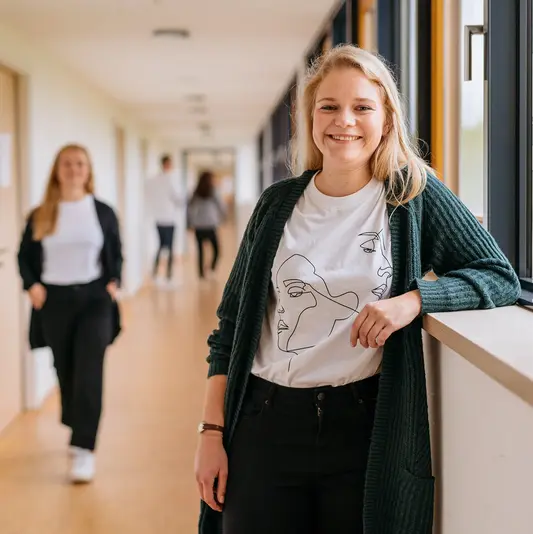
(470, 30)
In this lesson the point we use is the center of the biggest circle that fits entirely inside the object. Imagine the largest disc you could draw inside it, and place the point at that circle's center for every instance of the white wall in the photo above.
(132, 227)
(268, 162)
(246, 183)
(482, 438)
(155, 150)
(63, 108)
(246, 174)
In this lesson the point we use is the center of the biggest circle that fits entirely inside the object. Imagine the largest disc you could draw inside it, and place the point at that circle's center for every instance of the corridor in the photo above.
(129, 127)
(154, 381)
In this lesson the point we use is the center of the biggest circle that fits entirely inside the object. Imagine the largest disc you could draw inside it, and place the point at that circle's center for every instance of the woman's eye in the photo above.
(369, 247)
(295, 293)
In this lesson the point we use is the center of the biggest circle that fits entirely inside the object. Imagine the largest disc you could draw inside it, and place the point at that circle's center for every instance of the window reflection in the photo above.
(471, 142)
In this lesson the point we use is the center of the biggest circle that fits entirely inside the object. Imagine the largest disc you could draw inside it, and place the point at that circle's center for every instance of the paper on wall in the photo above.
(5, 160)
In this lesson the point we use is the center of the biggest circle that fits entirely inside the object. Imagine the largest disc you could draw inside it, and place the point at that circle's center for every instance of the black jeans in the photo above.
(298, 459)
(77, 326)
(166, 240)
(209, 234)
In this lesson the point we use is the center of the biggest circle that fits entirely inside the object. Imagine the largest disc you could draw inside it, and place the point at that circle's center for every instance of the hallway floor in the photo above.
(155, 379)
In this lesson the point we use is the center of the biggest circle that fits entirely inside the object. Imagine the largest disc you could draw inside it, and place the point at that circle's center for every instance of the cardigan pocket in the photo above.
(414, 509)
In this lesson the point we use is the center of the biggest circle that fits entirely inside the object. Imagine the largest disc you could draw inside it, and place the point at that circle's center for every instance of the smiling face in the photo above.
(348, 118)
(73, 170)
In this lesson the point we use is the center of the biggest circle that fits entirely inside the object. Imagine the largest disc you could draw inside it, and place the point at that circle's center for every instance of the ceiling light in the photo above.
(196, 98)
(181, 33)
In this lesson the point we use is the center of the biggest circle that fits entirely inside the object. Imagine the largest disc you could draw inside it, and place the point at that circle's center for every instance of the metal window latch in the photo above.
(470, 30)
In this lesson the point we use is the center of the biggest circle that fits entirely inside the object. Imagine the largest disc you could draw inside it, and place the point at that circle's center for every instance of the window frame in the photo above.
(339, 25)
(389, 35)
(424, 78)
(508, 65)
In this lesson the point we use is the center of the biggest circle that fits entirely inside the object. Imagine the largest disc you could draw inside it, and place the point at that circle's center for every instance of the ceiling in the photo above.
(214, 88)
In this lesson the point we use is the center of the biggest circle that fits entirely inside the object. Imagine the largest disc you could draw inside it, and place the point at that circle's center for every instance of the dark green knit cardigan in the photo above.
(435, 231)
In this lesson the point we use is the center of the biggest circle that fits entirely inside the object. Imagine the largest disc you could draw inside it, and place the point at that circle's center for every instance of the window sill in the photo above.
(499, 342)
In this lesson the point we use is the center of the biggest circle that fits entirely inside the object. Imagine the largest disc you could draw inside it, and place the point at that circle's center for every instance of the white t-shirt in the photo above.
(72, 253)
(165, 198)
(333, 259)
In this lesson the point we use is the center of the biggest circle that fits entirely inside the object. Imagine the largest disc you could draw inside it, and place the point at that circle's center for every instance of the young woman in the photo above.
(70, 261)
(204, 215)
(316, 413)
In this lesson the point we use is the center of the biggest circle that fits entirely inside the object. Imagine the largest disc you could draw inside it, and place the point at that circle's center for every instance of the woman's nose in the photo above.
(345, 118)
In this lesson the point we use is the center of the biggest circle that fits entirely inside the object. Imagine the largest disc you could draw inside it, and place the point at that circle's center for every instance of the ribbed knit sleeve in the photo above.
(220, 342)
(473, 271)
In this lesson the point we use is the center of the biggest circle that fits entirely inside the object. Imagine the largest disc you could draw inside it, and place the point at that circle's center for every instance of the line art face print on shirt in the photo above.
(307, 310)
(385, 270)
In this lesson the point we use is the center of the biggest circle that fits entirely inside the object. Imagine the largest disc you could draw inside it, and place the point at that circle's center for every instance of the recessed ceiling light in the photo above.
(195, 97)
(181, 33)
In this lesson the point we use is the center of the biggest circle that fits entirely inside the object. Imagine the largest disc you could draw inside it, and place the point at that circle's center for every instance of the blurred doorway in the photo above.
(11, 386)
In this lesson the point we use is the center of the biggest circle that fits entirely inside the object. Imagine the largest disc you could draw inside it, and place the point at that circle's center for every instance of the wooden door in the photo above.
(10, 301)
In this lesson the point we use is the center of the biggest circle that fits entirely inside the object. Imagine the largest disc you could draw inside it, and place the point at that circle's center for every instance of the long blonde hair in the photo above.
(45, 218)
(396, 158)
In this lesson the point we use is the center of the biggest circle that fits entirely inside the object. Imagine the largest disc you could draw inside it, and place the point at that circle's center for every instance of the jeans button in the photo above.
(321, 396)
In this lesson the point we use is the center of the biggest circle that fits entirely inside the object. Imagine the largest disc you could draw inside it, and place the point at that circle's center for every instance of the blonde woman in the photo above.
(338, 440)
(70, 261)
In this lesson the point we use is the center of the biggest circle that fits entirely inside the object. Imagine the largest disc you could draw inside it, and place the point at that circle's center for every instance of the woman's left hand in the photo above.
(112, 290)
(378, 320)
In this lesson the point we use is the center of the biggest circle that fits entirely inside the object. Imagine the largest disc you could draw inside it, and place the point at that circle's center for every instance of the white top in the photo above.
(165, 198)
(72, 253)
(333, 259)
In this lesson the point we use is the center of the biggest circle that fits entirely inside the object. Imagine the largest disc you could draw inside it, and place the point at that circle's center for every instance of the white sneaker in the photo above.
(82, 466)
(72, 450)
(171, 284)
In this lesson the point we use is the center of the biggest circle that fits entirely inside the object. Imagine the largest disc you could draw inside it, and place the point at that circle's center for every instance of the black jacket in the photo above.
(30, 260)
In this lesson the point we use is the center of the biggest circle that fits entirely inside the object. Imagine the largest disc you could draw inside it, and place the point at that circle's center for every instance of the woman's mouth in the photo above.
(282, 325)
(345, 138)
(380, 291)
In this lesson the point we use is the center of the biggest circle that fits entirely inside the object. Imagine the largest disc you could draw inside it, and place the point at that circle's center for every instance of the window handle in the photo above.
(470, 30)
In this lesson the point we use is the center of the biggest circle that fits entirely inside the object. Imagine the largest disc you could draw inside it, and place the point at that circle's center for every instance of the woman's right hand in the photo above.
(37, 293)
(211, 463)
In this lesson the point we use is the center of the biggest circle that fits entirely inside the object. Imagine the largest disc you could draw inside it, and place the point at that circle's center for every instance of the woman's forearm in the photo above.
(214, 400)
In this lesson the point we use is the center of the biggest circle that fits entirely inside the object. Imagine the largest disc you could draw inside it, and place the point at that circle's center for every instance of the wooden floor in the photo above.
(155, 378)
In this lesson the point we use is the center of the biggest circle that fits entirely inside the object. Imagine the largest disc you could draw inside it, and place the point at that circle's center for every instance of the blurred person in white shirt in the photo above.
(165, 198)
